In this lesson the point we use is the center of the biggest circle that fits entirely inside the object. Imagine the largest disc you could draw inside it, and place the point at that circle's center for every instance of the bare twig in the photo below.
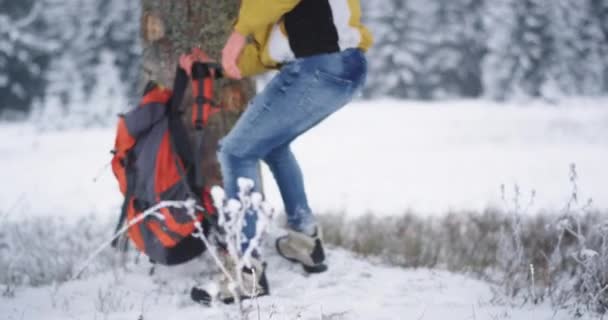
(101, 172)
(150, 212)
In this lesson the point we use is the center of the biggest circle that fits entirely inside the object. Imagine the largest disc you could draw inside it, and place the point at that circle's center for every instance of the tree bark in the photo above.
(170, 28)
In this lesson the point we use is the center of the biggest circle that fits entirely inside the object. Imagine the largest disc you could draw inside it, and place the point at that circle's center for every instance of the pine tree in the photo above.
(122, 40)
(88, 32)
(425, 49)
(458, 47)
(599, 11)
(396, 65)
(380, 18)
(24, 54)
(579, 49)
(545, 49)
(520, 48)
(421, 39)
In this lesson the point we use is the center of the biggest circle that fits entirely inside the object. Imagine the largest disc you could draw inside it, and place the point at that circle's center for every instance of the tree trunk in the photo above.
(173, 27)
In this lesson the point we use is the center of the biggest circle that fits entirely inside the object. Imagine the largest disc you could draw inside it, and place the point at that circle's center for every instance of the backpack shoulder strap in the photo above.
(203, 75)
(179, 134)
(180, 141)
(180, 83)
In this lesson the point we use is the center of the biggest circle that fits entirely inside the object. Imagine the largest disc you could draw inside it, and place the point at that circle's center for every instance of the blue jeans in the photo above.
(302, 94)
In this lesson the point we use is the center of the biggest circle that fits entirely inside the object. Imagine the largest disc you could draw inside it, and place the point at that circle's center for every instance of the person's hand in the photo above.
(230, 55)
(200, 55)
(185, 62)
(196, 55)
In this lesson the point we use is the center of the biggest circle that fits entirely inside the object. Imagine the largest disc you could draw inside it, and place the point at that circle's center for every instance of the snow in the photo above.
(52, 173)
(431, 158)
(351, 289)
(383, 157)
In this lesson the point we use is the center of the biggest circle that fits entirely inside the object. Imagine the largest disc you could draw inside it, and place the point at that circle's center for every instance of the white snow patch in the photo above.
(385, 157)
(351, 289)
(381, 156)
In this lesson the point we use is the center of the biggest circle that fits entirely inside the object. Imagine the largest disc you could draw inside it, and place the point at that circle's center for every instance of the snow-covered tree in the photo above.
(50, 50)
(520, 48)
(24, 54)
(122, 39)
(87, 31)
(579, 49)
(599, 10)
(545, 49)
(459, 46)
(425, 49)
(396, 65)
(106, 99)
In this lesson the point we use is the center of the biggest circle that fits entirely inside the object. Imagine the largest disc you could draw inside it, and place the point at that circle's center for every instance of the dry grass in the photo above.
(44, 250)
(485, 245)
(561, 257)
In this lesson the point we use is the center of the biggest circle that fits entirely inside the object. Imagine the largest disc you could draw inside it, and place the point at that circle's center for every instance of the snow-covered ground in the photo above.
(383, 157)
(351, 289)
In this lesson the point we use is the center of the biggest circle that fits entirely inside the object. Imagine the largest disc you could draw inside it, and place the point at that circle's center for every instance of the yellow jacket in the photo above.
(283, 30)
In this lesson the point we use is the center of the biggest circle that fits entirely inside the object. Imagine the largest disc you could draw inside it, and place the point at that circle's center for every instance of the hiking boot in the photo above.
(306, 250)
(254, 284)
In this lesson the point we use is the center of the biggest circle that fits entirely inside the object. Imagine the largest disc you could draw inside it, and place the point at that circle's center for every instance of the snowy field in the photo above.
(381, 157)
(351, 289)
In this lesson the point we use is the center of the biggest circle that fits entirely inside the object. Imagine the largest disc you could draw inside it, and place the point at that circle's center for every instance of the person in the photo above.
(319, 47)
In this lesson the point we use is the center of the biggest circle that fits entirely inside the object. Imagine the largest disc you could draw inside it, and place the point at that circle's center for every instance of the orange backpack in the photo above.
(154, 161)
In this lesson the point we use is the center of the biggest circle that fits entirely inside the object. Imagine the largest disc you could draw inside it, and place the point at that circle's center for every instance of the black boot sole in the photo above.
(202, 297)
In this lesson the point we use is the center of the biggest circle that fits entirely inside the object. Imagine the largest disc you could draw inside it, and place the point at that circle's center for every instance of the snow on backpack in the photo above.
(154, 160)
